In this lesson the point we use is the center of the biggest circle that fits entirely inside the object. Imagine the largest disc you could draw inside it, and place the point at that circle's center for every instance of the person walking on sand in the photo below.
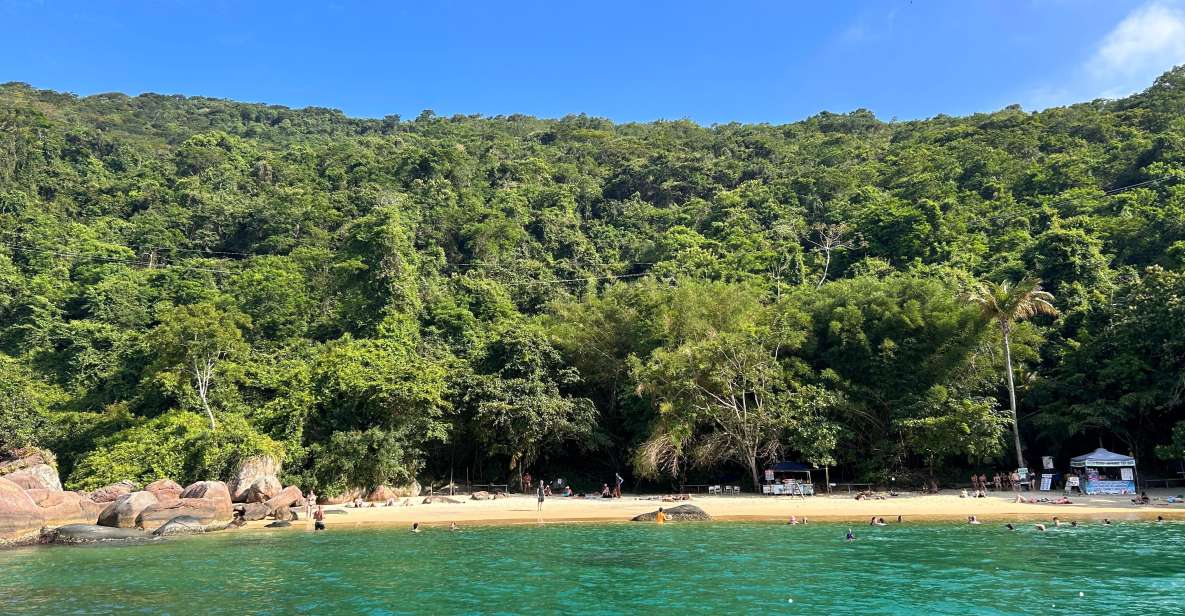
(310, 501)
(617, 490)
(540, 496)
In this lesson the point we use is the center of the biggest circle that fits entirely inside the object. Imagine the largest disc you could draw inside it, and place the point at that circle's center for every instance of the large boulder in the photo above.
(679, 513)
(90, 533)
(250, 471)
(381, 494)
(261, 490)
(210, 490)
(164, 489)
(410, 489)
(207, 511)
(107, 494)
(122, 512)
(69, 508)
(20, 517)
(20, 459)
(36, 477)
(252, 511)
(288, 497)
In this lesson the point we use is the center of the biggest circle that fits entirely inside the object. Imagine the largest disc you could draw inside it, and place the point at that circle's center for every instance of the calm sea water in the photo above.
(705, 568)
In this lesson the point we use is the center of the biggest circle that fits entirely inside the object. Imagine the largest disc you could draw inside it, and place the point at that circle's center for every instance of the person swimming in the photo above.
(1039, 526)
(899, 519)
(1106, 521)
(1160, 519)
(1009, 526)
(972, 520)
(415, 527)
(851, 536)
(1056, 522)
(452, 526)
(792, 521)
(1073, 523)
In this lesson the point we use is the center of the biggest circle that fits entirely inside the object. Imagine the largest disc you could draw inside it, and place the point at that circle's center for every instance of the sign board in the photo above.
(1023, 473)
(769, 474)
(1126, 474)
(1046, 481)
(1047, 462)
(1072, 481)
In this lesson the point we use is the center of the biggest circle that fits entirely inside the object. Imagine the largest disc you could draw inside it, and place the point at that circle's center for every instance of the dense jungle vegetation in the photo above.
(186, 281)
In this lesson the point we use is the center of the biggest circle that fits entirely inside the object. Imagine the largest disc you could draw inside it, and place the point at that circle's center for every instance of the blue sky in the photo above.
(721, 61)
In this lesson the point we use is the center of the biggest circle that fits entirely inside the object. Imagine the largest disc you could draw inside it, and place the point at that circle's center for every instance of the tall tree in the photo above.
(1007, 304)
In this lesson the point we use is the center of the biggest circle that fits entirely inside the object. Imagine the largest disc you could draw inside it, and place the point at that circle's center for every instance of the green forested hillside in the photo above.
(187, 281)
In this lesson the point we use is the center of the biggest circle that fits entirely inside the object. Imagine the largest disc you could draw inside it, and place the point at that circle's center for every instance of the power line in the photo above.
(132, 262)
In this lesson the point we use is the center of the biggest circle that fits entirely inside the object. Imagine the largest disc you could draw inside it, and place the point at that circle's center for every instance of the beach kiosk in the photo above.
(786, 478)
(1105, 472)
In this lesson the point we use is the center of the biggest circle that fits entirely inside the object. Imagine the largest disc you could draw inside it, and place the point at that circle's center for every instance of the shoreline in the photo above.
(943, 507)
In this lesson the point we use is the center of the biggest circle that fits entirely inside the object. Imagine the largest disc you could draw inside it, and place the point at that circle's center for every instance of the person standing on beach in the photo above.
(540, 496)
(617, 490)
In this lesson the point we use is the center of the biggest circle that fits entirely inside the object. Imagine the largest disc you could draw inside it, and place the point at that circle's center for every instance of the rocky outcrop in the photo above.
(90, 533)
(348, 496)
(680, 513)
(408, 490)
(36, 477)
(382, 494)
(123, 511)
(441, 499)
(254, 476)
(20, 459)
(107, 494)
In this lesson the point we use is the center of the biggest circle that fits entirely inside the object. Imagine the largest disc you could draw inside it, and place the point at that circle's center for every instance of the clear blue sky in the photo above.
(718, 61)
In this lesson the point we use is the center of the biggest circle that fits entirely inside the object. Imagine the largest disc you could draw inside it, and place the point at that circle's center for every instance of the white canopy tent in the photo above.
(1106, 472)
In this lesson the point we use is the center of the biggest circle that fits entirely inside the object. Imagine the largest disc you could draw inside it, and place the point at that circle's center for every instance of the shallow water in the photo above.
(700, 568)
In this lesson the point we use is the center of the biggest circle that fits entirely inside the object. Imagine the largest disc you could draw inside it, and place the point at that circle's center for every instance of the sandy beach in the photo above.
(947, 506)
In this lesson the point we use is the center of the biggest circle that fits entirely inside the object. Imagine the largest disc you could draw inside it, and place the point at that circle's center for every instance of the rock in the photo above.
(336, 512)
(180, 525)
(249, 472)
(35, 477)
(20, 517)
(253, 511)
(47, 498)
(285, 513)
(279, 524)
(107, 494)
(408, 490)
(441, 499)
(123, 511)
(381, 494)
(20, 459)
(679, 513)
(210, 490)
(261, 490)
(208, 511)
(164, 489)
(288, 497)
(481, 495)
(90, 533)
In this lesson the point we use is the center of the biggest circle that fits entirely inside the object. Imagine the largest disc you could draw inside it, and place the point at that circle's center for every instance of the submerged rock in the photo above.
(279, 524)
(90, 533)
(679, 513)
(181, 525)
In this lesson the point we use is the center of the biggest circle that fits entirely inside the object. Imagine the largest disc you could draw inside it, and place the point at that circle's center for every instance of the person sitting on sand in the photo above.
(319, 519)
(963, 493)
(605, 491)
(390, 502)
(660, 517)
(415, 527)
(1142, 499)
(567, 490)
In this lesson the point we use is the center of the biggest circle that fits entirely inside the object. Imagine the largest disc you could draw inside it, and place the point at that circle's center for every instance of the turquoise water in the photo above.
(705, 568)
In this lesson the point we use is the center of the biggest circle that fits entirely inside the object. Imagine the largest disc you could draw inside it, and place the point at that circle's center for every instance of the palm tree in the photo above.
(1007, 304)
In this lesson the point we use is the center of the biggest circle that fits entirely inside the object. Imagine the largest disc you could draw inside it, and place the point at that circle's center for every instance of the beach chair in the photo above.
(714, 490)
